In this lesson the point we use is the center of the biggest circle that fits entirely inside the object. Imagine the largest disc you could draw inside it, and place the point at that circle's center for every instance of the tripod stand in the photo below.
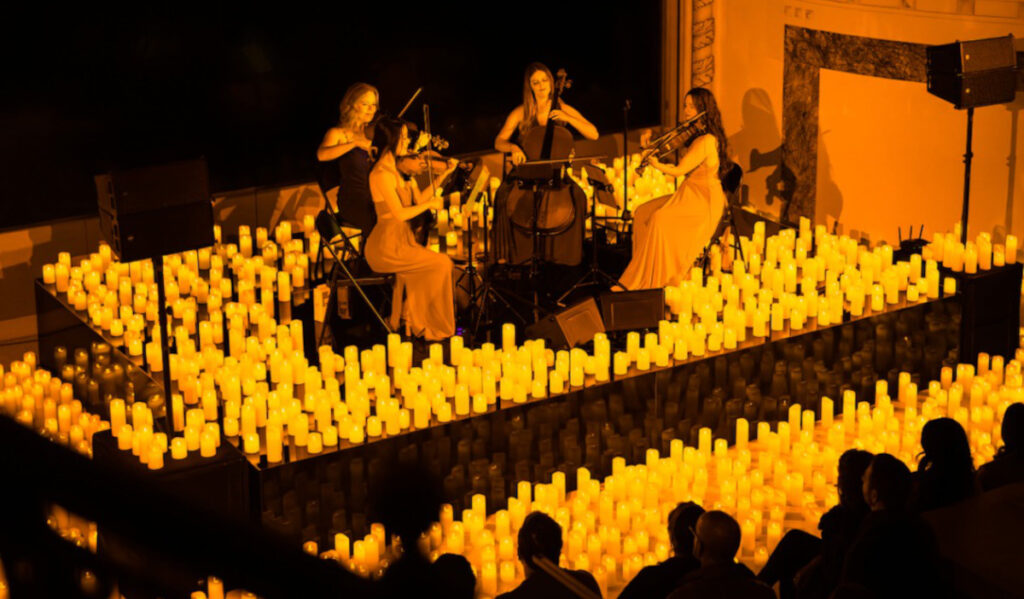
(594, 274)
(480, 290)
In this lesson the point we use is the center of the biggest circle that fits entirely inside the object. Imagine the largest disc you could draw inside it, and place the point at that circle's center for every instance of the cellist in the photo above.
(538, 85)
(525, 127)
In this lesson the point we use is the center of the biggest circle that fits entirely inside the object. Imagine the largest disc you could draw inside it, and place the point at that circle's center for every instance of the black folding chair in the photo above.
(731, 186)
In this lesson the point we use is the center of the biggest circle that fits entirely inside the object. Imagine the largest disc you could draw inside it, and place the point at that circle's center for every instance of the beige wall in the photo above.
(889, 153)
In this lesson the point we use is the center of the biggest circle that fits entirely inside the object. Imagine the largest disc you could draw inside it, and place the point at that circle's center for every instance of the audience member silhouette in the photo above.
(716, 541)
(454, 573)
(1008, 465)
(540, 536)
(895, 553)
(406, 500)
(819, 562)
(657, 581)
(945, 472)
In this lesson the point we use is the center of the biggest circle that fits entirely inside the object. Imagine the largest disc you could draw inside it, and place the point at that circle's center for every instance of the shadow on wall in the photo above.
(265, 207)
(829, 205)
(759, 144)
(999, 232)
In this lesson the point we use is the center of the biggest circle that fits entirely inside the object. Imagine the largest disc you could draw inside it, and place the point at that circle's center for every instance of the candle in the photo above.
(742, 433)
(1011, 249)
(179, 451)
(207, 445)
(508, 337)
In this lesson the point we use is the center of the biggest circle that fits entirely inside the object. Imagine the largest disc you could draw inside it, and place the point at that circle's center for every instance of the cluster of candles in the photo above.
(120, 299)
(255, 385)
(260, 388)
(641, 188)
(975, 255)
(45, 403)
(784, 479)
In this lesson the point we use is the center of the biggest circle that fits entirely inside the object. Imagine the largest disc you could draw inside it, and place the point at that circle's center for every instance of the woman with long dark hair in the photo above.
(945, 472)
(350, 144)
(423, 277)
(669, 233)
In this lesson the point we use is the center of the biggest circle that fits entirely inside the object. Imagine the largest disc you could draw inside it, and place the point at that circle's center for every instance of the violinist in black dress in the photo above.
(524, 132)
(350, 144)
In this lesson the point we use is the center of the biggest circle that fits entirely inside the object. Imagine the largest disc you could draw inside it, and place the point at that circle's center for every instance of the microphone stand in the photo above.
(625, 158)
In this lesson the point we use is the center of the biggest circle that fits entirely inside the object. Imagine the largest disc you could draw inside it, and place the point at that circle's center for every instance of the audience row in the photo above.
(874, 543)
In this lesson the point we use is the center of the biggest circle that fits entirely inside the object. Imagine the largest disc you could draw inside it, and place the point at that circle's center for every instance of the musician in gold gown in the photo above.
(669, 233)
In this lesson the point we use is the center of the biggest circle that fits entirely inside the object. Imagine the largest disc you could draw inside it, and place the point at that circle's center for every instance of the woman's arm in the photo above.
(570, 115)
(336, 143)
(697, 153)
(427, 193)
(502, 143)
(384, 188)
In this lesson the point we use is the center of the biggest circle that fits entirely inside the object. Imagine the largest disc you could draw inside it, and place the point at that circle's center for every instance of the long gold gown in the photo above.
(670, 232)
(422, 276)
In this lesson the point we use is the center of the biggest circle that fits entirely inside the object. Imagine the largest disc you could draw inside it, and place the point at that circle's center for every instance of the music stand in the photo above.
(480, 289)
(603, 193)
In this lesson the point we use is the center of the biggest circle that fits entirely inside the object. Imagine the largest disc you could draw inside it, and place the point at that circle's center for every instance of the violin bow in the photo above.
(409, 103)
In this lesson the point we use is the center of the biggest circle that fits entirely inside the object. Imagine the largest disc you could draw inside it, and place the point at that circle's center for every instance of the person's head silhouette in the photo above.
(681, 523)
(539, 536)
(887, 483)
(717, 538)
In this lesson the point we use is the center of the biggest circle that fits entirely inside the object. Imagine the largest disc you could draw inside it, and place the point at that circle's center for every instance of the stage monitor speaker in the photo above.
(974, 73)
(573, 326)
(157, 210)
(990, 313)
(631, 310)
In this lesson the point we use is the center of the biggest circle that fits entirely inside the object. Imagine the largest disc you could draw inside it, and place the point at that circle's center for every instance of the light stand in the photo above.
(165, 351)
(968, 155)
(970, 74)
(625, 158)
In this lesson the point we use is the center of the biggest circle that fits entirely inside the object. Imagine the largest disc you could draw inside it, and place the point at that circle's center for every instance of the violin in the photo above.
(555, 210)
(680, 136)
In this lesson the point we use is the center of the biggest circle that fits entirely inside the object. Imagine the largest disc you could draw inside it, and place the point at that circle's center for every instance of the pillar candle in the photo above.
(508, 337)
(621, 363)
(742, 433)
(1011, 249)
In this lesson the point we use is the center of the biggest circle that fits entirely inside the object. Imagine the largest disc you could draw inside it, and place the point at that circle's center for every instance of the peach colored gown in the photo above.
(670, 232)
(423, 278)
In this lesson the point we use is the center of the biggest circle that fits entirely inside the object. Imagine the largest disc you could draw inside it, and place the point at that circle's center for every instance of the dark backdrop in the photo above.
(254, 92)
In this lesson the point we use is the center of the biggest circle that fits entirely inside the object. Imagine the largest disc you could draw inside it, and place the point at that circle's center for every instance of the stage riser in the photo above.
(313, 498)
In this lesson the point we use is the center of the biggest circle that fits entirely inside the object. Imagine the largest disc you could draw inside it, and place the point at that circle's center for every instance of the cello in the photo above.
(543, 206)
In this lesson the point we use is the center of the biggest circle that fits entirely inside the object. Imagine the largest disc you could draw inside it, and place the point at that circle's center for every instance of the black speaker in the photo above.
(158, 210)
(974, 73)
(575, 325)
(630, 310)
(990, 312)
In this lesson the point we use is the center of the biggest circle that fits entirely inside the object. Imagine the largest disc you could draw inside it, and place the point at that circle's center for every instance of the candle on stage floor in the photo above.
(742, 433)
(179, 451)
(508, 337)
(621, 360)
